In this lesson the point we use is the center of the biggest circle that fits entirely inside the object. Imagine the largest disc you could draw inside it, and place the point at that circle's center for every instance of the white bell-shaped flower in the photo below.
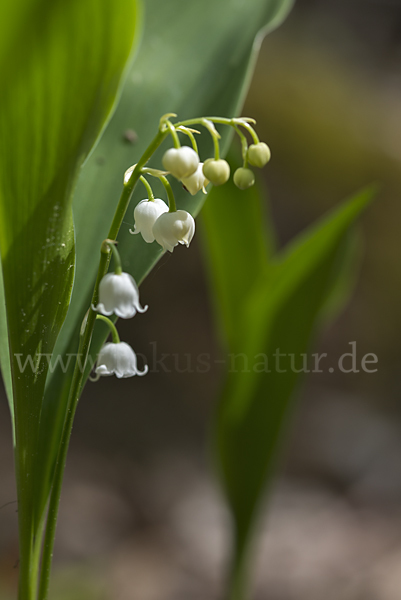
(174, 228)
(195, 182)
(145, 214)
(181, 162)
(119, 360)
(118, 294)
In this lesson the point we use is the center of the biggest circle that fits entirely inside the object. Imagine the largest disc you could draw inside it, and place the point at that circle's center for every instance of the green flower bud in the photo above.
(244, 178)
(216, 171)
(259, 154)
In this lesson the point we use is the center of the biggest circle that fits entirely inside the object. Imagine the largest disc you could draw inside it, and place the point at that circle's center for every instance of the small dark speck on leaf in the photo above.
(130, 136)
(100, 160)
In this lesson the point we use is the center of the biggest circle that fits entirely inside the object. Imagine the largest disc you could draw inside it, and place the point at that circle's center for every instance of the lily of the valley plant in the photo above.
(116, 294)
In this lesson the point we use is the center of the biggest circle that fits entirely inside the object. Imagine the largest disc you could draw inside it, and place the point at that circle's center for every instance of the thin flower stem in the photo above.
(112, 327)
(54, 502)
(170, 193)
(244, 145)
(218, 120)
(201, 121)
(251, 130)
(235, 123)
(191, 136)
(108, 245)
(204, 121)
(79, 370)
(148, 187)
(215, 136)
(216, 147)
(173, 133)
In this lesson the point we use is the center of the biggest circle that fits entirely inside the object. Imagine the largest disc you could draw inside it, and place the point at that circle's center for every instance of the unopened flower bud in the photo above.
(146, 214)
(259, 154)
(181, 162)
(174, 228)
(216, 171)
(195, 182)
(244, 178)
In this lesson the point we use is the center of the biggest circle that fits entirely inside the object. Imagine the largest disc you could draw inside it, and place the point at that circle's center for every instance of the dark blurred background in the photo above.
(142, 517)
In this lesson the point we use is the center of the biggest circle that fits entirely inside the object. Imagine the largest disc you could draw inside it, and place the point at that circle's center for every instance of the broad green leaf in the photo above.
(61, 71)
(279, 311)
(194, 60)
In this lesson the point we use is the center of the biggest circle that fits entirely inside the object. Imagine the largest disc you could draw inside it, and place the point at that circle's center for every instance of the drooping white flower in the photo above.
(181, 162)
(118, 359)
(118, 294)
(145, 214)
(195, 182)
(174, 228)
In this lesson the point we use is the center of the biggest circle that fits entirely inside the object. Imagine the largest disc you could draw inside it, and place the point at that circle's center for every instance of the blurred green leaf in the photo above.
(274, 310)
(238, 222)
(189, 63)
(345, 280)
(61, 69)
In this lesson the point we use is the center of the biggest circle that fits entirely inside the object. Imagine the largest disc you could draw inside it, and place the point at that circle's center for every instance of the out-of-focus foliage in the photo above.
(267, 305)
(330, 114)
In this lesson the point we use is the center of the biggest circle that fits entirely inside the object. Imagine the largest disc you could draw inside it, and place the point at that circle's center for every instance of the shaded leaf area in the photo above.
(271, 308)
(191, 64)
(4, 352)
(239, 239)
(62, 68)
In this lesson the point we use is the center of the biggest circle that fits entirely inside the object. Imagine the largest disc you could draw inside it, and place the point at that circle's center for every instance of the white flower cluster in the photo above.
(119, 295)
(156, 221)
(153, 218)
